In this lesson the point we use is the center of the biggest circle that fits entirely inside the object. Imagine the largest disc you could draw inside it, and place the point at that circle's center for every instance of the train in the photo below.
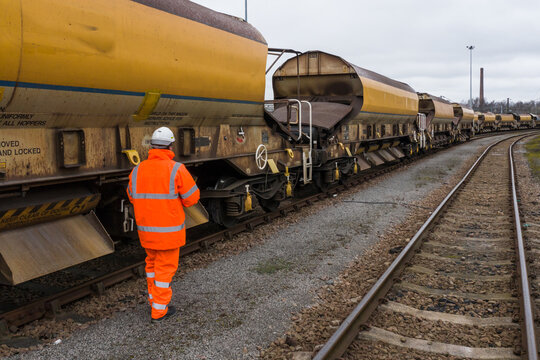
(83, 88)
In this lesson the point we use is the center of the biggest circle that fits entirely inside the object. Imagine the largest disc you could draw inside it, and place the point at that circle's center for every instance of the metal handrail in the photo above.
(309, 161)
(310, 124)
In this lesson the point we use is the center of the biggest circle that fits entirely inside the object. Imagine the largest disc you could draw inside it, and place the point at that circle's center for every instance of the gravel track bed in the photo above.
(315, 324)
(446, 332)
(440, 293)
(236, 297)
(454, 305)
(440, 281)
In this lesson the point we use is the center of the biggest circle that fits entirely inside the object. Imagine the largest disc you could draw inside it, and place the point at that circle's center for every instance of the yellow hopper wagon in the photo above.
(441, 122)
(525, 121)
(506, 121)
(490, 122)
(464, 120)
(359, 118)
(81, 91)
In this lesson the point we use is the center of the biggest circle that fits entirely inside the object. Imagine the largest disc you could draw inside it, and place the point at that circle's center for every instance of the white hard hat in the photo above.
(163, 137)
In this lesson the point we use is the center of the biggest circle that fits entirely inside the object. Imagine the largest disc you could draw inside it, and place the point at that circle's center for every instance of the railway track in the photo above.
(52, 304)
(460, 288)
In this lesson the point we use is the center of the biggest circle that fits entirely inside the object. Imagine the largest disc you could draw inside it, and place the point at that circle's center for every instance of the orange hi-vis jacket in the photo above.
(159, 189)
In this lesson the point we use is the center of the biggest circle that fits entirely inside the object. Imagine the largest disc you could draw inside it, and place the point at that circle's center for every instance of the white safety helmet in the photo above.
(162, 137)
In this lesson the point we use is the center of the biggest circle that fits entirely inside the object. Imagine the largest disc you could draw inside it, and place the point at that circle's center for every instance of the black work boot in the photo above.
(171, 312)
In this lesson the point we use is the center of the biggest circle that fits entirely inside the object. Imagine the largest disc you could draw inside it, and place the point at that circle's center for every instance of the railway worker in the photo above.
(159, 188)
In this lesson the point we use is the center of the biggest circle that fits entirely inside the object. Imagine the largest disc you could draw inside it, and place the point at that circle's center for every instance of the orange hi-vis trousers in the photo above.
(161, 265)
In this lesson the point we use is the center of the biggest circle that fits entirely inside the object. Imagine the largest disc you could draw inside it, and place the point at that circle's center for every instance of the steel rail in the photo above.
(49, 305)
(343, 337)
(528, 314)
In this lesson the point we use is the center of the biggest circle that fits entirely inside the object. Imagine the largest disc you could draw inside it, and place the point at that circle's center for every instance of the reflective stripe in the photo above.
(189, 193)
(159, 229)
(151, 275)
(134, 181)
(159, 306)
(150, 296)
(161, 284)
(172, 188)
(155, 196)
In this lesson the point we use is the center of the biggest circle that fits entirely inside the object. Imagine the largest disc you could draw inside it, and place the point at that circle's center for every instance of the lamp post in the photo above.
(470, 47)
(246, 10)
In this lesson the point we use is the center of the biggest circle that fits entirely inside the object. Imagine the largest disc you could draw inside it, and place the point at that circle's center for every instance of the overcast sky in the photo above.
(422, 43)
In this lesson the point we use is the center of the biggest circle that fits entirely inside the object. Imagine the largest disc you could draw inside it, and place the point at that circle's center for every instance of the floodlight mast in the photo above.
(471, 48)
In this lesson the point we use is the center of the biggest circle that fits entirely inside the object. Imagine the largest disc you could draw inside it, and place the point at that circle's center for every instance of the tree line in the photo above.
(498, 107)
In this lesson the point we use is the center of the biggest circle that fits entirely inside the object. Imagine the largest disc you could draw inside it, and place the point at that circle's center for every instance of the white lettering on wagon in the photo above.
(14, 148)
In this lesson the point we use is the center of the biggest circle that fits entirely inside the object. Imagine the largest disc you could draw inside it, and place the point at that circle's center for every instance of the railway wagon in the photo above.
(536, 120)
(359, 118)
(441, 123)
(490, 122)
(506, 121)
(525, 121)
(81, 91)
(464, 118)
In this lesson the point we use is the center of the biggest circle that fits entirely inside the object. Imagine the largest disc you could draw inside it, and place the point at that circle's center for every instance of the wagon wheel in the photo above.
(261, 157)
(216, 207)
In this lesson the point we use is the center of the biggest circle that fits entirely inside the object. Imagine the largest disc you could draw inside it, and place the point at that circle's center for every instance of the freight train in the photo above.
(83, 88)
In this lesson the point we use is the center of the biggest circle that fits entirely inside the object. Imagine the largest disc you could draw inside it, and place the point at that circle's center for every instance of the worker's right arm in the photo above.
(188, 190)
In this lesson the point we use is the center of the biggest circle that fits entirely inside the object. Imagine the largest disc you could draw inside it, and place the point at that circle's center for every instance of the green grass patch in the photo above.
(272, 266)
(533, 156)
(228, 321)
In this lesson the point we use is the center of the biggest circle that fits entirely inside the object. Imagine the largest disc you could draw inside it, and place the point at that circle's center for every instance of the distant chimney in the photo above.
(481, 89)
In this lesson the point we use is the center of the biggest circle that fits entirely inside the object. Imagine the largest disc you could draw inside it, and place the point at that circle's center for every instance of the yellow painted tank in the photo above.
(328, 76)
(373, 107)
(490, 120)
(107, 66)
(506, 121)
(526, 121)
